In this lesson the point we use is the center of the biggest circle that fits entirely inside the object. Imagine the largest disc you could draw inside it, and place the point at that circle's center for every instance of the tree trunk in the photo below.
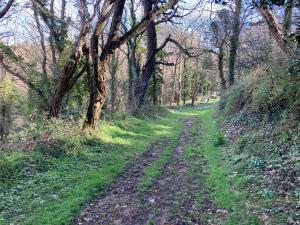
(100, 66)
(113, 85)
(57, 98)
(132, 69)
(234, 41)
(221, 68)
(179, 84)
(154, 94)
(174, 84)
(276, 30)
(98, 94)
(6, 8)
(149, 67)
(161, 97)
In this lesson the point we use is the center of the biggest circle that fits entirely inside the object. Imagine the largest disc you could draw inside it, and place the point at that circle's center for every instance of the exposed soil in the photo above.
(170, 200)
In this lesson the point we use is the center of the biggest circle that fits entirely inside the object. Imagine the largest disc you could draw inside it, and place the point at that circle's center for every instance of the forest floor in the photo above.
(141, 171)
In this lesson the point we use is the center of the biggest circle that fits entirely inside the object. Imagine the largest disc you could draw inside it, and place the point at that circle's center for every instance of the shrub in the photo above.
(276, 92)
(233, 100)
(220, 140)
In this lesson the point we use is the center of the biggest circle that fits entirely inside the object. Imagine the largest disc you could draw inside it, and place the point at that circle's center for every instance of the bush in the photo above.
(275, 92)
(233, 100)
(220, 140)
(41, 132)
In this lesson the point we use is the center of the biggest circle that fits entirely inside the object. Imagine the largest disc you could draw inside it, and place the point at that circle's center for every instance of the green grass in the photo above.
(51, 184)
(227, 188)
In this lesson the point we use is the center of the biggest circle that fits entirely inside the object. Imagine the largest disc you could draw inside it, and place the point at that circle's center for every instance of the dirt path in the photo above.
(170, 200)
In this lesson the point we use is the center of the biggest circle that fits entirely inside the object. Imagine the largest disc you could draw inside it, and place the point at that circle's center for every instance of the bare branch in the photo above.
(22, 78)
(6, 8)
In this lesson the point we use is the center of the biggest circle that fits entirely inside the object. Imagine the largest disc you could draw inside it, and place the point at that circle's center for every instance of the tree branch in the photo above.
(144, 22)
(6, 8)
(22, 78)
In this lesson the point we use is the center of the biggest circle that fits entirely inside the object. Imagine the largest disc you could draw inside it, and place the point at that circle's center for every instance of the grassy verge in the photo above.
(50, 184)
(225, 188)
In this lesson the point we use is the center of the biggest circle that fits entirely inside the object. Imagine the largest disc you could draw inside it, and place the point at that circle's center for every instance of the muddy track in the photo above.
(120, 199)
(169, 200)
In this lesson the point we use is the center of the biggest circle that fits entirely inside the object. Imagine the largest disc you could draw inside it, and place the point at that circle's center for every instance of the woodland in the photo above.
(150, 112)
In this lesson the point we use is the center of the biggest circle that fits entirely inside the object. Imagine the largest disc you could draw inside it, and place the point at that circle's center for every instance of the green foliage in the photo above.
(220, 140)
(274, 93)
(8, 52)
(9, 98)
(9, 93)
(267, 193)
(233, 100)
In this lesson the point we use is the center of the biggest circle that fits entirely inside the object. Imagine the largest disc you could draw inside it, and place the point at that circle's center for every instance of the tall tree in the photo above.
(68, 75)
(280, 33)
(234, 41)
(149, 67)
(113, 69)
(220, 29)
(132, 44)
(100, 64)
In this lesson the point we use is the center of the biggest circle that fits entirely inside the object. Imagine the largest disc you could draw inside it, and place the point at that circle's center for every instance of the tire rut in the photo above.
(119, 202)
(168, 201)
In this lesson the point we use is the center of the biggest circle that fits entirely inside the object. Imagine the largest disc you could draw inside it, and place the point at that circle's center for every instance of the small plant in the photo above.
(243, 141)
(220, 140)
(258, 163)
(150, 222)
(267, 193)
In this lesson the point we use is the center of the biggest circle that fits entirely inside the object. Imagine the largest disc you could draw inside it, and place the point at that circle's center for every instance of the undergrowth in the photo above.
(261, 119)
